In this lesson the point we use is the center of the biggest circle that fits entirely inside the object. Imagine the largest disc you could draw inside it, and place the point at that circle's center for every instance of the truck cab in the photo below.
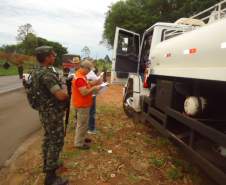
(132, 57)
(184, 65)
(131, 54)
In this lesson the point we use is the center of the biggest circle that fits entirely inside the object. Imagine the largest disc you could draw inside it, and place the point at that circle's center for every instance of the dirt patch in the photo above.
(123, 153)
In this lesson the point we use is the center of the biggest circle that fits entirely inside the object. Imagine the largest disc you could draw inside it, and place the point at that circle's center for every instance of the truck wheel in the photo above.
(127, 107)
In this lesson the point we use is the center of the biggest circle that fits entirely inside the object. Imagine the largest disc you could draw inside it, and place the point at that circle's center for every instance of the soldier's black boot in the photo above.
(50, 176)
(60, 181)
(44, 166)
(53, 179)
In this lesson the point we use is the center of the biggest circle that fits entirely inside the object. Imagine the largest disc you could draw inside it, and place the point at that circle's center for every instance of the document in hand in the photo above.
(103, 86)
(100, 76)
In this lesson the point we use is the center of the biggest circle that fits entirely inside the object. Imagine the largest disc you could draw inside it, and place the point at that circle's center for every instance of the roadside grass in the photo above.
(162, 142)
(36, 170)
(97, 147)
(71, 154)
(187, 167)
(123, 152)
(184, 167)
(72, 165)
(172, 168)
(157, 161)
(12, 70)
(133, 178)
(109, 134)
(174, 173)
(107, 110)
(71, 124)
(162, 158)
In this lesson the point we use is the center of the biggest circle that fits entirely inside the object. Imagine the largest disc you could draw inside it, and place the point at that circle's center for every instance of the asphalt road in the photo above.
(17, 119)
(8, 83)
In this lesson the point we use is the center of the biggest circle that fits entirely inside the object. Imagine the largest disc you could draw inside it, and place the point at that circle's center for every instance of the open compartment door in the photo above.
(125, 55)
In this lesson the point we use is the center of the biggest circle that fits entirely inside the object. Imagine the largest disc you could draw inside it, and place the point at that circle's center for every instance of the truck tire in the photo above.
(128, 109)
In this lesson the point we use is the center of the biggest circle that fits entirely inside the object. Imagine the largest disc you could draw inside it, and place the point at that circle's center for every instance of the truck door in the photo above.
(145, 51)
(125, 55)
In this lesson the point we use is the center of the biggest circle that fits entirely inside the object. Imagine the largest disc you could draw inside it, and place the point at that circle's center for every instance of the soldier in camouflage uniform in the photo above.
(52, 101)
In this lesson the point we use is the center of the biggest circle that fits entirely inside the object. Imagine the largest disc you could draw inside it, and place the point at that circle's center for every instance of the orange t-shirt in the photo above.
(78, 100)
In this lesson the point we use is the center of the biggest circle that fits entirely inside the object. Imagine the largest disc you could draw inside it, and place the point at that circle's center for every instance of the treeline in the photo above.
(104, 64)
(28, 41)
(15, 58)
(9, 62)
(138, 15)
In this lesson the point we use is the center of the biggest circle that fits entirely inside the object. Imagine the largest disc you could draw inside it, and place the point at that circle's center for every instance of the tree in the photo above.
(107, 59)
(138, 15)
(85, 52)
(23, 32)
(8, 48)
(28, 45)
(27, 39)
(103, 64)
(58, 48)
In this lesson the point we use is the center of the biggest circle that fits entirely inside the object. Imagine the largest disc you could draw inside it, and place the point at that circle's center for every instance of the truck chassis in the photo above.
(198, 137)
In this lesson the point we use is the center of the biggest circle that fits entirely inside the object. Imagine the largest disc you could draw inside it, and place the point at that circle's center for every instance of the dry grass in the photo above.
(122, 153)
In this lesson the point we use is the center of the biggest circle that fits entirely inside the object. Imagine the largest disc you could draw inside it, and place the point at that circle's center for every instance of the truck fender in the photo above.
(133, 84)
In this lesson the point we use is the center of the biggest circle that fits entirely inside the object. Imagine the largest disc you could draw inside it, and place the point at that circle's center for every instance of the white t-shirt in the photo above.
(91, 76)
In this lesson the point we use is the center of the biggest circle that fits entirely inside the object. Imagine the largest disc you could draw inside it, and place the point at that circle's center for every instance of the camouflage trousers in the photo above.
(53, 140)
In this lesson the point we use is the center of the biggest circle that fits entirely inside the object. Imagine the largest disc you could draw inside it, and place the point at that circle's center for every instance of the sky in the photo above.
(72, 23)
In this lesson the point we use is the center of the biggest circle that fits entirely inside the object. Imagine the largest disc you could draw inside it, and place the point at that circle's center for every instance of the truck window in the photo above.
(167, 34)
(127, 54)
(127, 44)
(145, 52)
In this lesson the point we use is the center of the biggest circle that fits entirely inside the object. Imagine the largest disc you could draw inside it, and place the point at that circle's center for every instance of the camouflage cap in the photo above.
(43, 49)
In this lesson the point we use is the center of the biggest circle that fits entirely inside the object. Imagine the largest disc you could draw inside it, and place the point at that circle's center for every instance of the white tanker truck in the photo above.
(175, 78)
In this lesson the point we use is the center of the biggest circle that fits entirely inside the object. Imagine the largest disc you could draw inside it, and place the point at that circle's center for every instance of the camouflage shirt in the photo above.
(48, 83)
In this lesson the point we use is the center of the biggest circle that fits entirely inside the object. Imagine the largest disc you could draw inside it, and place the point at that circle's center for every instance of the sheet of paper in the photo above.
(104, 86)
(101, 75)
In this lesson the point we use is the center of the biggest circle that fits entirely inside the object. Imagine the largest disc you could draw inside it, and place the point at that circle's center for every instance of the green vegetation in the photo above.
(133, 178)
(174, 173)
(110, 134)
(12, 70)
(103, 65)
(138, 15)
(158, 162)
(28, 41)
(162, 142)
(71, 154)
(185, 167)
(107, 110)
(72, 165)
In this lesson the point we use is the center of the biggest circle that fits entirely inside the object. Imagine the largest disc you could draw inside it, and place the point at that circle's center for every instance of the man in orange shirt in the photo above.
(82, 100)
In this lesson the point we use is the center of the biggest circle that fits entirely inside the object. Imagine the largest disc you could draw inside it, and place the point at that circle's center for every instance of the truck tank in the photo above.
(198, 54)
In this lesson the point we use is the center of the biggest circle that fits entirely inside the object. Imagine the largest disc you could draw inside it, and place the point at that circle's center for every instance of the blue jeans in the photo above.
(92, 115)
